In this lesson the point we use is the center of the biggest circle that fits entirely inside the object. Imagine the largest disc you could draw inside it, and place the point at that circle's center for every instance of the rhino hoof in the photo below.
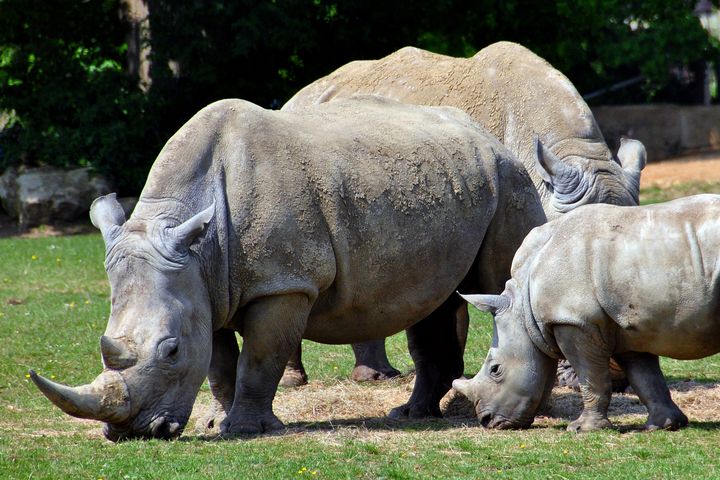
(250, 425)
(293, 378)
(410, 411)
(363, 373)
(675, 421)
(584, 425)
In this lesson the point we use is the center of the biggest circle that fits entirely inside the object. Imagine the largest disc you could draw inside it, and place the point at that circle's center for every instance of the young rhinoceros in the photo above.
(628, 282)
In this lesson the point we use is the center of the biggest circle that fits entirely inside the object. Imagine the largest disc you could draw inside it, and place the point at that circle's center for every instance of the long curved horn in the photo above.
(105, 399)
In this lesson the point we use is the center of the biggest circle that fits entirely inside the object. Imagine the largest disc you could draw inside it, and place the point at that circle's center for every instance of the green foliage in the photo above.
(63, 65)
(62, 76)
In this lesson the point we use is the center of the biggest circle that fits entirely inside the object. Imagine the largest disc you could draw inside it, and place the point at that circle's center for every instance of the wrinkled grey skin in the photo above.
(515, 95)
(628, 282)
(348, 222)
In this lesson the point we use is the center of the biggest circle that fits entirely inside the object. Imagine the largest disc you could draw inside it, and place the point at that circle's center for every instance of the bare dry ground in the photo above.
(695, 168)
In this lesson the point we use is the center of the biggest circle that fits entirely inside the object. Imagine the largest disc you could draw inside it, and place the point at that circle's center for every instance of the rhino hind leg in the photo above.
(294, 374)
(221, 377)
(436, 350)
(371, 362)
(646, 378)
(272, 329)
(566, 377)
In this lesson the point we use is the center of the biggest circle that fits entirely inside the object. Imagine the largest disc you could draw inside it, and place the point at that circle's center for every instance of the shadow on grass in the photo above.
(368, 424)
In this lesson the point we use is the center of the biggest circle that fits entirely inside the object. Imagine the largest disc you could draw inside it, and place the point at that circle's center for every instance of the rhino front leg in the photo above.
(272, 328)
(371, 362)
(590, 359)
(646, 378)
(221, 376)
(437, 352)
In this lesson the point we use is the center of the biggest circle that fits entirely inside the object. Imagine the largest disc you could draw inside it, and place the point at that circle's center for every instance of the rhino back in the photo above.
(372, 208)
(528, 97)
(651, 271)
(505, 87)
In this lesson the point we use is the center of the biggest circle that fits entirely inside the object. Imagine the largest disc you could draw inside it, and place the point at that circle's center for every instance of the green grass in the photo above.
(657, 194)
(54, 306)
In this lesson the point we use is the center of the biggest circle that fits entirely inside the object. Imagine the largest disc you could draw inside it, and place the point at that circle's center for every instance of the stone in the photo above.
(44, 195)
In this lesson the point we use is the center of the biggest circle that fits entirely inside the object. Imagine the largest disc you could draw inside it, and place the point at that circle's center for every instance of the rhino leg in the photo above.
(437, 352)
(590, 358)
(371, 362)
(221, 376)
(272, 328)
(646, 378)
(294, 374)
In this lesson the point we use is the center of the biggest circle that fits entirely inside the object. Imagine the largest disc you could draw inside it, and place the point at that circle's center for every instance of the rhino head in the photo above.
(577, 180)
(517, 377)
(157, 344)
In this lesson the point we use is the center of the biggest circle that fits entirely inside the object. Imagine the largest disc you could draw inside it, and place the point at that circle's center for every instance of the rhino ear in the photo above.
(632, 155)
(488, 303)
(186, 233)
(547, 164)
(107, 215)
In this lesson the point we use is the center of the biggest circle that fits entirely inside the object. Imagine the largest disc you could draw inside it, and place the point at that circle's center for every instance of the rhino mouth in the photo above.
(500, 422)
(163, 426)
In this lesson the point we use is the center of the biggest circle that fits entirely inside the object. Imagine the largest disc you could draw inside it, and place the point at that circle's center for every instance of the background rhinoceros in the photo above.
(515, 95)
(347, 222)
(631, 283)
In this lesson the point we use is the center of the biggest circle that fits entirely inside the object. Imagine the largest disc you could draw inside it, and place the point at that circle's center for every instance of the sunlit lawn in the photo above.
(53, 308)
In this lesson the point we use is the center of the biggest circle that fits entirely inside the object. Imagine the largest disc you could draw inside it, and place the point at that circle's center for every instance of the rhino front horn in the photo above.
(105, 399)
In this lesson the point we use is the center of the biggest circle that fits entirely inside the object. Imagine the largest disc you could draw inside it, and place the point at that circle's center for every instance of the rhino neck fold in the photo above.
(536, 330)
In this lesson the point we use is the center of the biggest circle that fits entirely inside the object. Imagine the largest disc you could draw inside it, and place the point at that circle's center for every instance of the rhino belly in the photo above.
(684, 337)
(390, 281)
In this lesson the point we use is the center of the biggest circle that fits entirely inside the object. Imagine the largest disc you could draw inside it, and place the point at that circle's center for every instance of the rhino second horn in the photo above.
(115, 354)
(106, 399)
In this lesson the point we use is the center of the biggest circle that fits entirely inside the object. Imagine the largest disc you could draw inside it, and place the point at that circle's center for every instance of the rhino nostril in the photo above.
(156, 427)
(174, 429)
(486, 419)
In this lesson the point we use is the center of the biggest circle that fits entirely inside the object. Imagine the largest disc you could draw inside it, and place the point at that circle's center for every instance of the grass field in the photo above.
(53, 309)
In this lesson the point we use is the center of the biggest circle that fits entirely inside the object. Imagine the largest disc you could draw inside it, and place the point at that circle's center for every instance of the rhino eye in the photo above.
(168, 349)
(495, 371)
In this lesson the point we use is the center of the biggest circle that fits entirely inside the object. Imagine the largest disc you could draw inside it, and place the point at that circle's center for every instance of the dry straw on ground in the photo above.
(345, 408)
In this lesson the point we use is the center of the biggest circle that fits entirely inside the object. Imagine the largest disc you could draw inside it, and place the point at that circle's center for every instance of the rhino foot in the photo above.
(212, 418)
(672, 420)
(409, 411)
(249, 425)
(588, 424)
(363, 373)
(293, 377)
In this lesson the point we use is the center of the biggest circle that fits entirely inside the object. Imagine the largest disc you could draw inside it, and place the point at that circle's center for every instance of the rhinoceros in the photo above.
(347, 222)
(628, 282)
(514, 94)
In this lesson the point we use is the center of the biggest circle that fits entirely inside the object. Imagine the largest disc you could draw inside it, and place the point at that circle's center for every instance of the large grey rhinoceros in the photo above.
(628, 282)
(515, 95)
(347, 222)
